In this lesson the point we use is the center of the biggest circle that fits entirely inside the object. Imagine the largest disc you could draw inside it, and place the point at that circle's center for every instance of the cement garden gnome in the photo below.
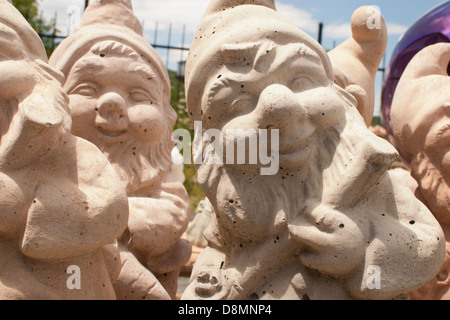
(331, 223)
(62, 205)
(119, 93)
(420, 121)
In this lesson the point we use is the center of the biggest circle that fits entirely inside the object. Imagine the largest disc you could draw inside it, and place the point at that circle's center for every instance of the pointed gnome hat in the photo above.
(230, 22)
(108, 20)
(18, 33)
(420, 98)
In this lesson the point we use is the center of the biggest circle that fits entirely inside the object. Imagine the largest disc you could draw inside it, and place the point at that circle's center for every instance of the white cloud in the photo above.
(343, 30)
(301, 18)
(178, 13)
(50, 9)
(188, 14)
(338, 31)
(395, 29)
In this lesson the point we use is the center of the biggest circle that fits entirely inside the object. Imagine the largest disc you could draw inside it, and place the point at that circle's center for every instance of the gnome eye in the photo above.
(302, 83)
(85, 89)
(242, 104)
(139, 96)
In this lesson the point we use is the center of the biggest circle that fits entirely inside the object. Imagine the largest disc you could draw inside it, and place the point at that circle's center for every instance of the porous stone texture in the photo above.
(62, 205)
(119, 92)
(332, 222)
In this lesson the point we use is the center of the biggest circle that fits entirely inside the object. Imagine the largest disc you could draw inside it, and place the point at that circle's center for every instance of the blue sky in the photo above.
(400, 13)
(176, 15)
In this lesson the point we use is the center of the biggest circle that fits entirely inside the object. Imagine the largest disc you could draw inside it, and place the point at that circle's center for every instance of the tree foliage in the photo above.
(178, 102)
(30, 10)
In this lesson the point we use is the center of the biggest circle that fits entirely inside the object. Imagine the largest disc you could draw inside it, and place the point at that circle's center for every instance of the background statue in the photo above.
(331, 223)
(62, 205)
(356, 61)
(420, 121)
(119, 93)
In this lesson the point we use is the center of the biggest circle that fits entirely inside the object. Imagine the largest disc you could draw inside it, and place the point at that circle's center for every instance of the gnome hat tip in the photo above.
(111, 12)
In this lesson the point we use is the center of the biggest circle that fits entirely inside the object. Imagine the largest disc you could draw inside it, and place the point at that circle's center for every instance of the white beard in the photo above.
(138, 164)
(262, 212)
(345, 152)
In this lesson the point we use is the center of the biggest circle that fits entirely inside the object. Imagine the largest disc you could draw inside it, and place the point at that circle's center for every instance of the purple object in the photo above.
(433, 27)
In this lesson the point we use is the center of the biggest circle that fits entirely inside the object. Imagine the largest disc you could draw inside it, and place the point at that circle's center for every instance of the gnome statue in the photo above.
(356, 61)
(62, 205)
(331, 222)
(119, 93)
(420, 117)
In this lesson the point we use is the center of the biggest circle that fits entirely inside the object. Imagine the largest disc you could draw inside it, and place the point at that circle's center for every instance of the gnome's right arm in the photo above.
(156, 225)
(75, 210)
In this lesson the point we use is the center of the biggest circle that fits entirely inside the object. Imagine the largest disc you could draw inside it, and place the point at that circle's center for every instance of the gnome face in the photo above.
(279, 83)
(431, 163)
(119, 92)
(118, 102)
(421, 121)
(115, 96)
(429, 132)
(251, 69)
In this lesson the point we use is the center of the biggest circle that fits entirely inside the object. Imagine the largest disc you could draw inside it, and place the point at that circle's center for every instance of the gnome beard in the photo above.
(272, 204)
(434, 187)
(139, 165)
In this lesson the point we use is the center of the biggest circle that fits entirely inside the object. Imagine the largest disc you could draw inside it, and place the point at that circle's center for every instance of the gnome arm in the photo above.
(135, 282)
(156, 223)
(75, 210)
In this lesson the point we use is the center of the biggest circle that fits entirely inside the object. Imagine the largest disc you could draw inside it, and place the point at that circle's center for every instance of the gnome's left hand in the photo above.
(335, 244)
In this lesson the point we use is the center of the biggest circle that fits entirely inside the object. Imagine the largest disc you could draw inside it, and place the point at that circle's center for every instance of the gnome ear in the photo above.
(219, 5)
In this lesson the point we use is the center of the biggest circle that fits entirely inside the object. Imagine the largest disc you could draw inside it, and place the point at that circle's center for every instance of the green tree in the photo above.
(30, 10)
(178, 102)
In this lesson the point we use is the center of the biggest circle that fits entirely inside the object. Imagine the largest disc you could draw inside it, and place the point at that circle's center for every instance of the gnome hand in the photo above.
(333, 243)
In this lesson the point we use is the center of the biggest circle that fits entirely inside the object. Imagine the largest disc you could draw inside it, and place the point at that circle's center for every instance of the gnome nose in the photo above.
(112, 113)
(279, 108)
